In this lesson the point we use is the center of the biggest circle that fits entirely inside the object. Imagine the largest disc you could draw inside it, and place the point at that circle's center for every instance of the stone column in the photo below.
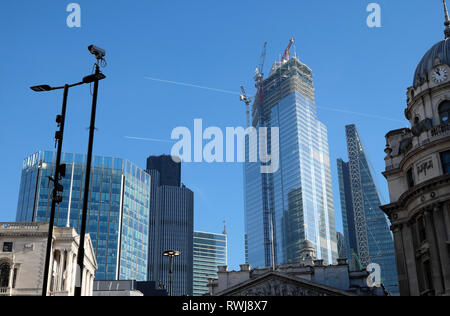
(434, 253)
(442, 246)
(68, 285)
(62, 259)
(11, 276)
(401, 260)
(410, 257)
(446, 212)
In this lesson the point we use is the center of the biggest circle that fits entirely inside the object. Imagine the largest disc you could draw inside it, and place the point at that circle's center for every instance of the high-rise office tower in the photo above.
(171, 225)
(210, 251)
(295, 203)
(367, 235)
(342, 250)
(118, 218)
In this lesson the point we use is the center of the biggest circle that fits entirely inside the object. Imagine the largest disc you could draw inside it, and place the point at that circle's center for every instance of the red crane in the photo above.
(287, 52)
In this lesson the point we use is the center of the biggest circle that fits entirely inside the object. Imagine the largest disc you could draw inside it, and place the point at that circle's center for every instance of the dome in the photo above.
(307, 245)
(438, 54)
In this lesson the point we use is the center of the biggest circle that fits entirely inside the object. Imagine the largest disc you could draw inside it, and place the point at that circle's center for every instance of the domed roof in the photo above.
(307, 245)
(438, 54)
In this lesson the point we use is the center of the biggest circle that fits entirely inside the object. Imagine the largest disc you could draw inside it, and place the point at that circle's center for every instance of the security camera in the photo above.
(97, 51)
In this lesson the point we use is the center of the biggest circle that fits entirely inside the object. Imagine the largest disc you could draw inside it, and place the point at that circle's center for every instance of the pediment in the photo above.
(278, 284)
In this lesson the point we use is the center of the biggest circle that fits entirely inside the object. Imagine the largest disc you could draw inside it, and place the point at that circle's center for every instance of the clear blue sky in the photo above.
(209, 43)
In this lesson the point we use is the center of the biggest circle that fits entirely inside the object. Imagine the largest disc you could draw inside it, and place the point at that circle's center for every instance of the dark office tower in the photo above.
(171, 225)
(169, 170)
(367, 235)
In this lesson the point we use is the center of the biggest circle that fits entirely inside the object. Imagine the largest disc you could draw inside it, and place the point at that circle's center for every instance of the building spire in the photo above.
(224, 228)
(447, 20)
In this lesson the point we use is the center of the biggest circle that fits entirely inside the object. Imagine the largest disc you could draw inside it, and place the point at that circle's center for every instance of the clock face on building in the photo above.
(440, 74)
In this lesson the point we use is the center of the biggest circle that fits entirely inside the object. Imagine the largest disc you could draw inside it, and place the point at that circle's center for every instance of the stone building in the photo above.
(22, 259)
(418, 175)
(309, 277)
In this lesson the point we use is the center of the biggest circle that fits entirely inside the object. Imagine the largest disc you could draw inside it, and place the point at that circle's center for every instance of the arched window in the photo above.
(5, 271)
(444, 112)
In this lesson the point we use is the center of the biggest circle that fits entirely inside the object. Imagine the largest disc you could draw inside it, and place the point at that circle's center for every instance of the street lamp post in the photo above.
(171, 254)
(99, 54)
(60, 171)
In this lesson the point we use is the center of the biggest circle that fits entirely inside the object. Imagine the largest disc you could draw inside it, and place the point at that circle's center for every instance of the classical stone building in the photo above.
(22, 258)
(309, 277)
(418, 174)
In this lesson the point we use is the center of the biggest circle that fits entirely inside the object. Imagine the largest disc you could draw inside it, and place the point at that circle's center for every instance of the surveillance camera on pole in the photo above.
(99, 54)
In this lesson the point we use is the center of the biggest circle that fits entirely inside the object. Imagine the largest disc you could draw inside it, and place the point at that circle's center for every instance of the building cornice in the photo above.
(413, 193)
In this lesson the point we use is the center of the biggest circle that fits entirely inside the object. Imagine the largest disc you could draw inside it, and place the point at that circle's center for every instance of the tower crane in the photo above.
(287, 52)
(259, 76)
(247, 101)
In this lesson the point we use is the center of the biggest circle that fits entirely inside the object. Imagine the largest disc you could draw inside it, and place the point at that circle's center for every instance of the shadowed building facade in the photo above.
(171, 225)
(418, 174)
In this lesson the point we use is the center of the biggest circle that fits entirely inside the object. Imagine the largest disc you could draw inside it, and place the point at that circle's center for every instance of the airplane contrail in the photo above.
(192, 85)
(150, 139)
(368, 115)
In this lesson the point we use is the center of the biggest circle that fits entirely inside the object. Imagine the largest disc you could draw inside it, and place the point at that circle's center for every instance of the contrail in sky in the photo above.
(150, 139)
(192, 85)
(378, 117)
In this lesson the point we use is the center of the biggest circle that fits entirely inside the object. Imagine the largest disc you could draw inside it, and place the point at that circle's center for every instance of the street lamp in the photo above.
(95, 78)
(60, 169)
(171, 254)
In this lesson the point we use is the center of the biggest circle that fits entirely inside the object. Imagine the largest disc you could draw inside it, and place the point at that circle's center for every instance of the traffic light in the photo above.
(62, 170)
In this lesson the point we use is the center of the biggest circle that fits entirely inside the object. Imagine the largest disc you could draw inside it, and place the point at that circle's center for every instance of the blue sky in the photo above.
(207, 43)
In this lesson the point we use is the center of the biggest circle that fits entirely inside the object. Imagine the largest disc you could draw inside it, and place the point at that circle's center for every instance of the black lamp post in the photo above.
(99, 54)
(60, 171)
(171, 254)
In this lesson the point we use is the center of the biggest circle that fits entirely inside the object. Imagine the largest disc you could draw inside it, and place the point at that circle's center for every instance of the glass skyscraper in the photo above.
(171, 225)
(210, 251)
(118, 218)
(367, 235)
(296, 202)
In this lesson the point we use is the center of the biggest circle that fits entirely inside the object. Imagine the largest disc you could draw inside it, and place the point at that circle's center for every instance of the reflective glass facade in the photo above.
(210, 251)
(298, 198)
(367, 235)
(118, 218)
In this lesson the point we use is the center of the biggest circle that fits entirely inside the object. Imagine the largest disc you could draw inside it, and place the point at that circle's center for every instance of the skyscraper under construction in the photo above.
(295, 203)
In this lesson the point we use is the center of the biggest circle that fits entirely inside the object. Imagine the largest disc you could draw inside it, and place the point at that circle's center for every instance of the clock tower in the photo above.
(418, 175)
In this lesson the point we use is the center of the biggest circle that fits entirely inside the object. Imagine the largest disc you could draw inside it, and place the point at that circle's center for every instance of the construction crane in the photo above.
(287, 52)
(260, 68)
(258, 79)
(247, 101)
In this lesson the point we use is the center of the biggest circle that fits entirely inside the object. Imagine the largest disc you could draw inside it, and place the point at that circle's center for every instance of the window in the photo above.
(444, 112)
(7, 247)
(421, 229)
(410, 178)
(5, 270)
(445, 159)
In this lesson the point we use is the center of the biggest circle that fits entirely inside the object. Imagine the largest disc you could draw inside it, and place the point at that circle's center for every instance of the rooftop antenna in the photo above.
(447, 20)
(224, 228)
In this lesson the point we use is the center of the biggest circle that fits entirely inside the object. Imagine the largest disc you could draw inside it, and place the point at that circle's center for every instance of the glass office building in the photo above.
(295, 203)
(171, 226)
(367, 235)
(118, 218)
(210, 251)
